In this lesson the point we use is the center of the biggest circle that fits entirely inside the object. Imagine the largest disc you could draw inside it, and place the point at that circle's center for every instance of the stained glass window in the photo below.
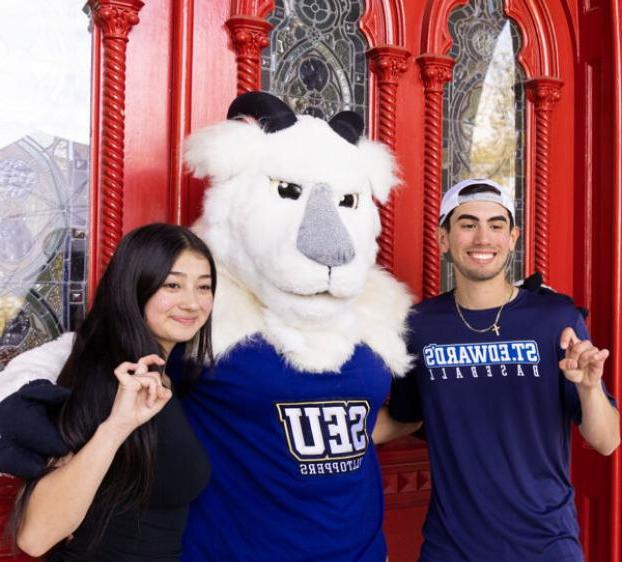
(484, 107)
(316, 61)
(44, 170)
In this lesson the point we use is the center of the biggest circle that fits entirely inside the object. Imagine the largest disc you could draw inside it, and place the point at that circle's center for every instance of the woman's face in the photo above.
(182, 305)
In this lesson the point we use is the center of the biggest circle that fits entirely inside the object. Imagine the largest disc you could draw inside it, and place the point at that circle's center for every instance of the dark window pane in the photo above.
(317, 60)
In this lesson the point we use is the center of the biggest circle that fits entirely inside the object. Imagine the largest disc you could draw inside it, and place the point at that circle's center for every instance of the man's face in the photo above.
(479, 240)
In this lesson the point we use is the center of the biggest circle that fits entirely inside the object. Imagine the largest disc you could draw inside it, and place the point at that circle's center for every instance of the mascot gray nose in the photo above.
(322, 237)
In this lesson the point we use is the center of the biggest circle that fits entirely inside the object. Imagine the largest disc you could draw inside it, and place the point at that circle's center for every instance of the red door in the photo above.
(185, 60)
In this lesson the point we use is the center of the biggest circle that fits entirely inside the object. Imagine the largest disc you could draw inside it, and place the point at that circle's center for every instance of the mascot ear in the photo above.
(348, 125)
(230, 147)
(224, 149)
(380, 167)
(270, 112)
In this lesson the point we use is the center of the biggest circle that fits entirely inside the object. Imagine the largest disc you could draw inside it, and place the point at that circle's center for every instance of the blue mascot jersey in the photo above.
(295, 476)
(497, 413)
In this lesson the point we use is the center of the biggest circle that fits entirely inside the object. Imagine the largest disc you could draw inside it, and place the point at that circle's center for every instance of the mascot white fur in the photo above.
(307, 334)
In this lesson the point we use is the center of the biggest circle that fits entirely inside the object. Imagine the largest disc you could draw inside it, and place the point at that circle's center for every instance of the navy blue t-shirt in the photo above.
(497, 413)
(295, 474)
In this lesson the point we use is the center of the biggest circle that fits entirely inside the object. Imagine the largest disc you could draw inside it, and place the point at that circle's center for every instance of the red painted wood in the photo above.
(544, 93)
(388, 63)
(384, 23)
(597, 250)
(407, 486)
(9, 487)
(94, 166)
(435, 36)
(148, 116)
(181, 104)
(214, 78)
(259, 8)
(115, 18)
(615, 495)
(436, 70)
(540, 53)
(249, 35)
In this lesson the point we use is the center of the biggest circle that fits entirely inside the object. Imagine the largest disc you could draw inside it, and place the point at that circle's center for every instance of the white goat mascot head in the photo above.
(289, 213)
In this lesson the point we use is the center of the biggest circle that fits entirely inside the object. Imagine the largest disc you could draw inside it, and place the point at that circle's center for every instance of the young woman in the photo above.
(123, 493)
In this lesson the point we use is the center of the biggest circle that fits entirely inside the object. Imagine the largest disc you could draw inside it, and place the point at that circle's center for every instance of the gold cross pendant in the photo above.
(495, 329)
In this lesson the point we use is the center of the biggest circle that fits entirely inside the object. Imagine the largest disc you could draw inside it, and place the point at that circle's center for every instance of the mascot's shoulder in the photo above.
(377, 318)
(383, 307)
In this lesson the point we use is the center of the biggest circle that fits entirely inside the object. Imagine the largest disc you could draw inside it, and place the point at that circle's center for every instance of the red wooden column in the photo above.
(543, 92)
(249, 35)
(436, 70)
(388, 63)
(616, 331)
(115, 19)
(181, 106)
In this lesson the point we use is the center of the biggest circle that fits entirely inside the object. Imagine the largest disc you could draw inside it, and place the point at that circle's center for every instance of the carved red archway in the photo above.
(539, 57)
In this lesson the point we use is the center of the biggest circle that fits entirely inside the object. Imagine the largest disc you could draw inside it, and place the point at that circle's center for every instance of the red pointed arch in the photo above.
(383, 23)
(257, 8)
(540, 52)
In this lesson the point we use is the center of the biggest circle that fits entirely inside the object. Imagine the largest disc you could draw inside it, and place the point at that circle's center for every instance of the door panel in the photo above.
(595, 476)
(184, 65)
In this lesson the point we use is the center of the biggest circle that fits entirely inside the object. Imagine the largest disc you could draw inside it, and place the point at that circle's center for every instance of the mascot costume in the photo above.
(307, 330)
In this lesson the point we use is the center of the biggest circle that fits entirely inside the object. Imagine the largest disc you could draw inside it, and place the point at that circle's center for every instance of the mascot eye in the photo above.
(287, 190)
(350, 200)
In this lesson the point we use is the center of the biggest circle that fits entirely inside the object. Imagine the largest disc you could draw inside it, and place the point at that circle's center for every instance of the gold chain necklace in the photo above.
(494, 327)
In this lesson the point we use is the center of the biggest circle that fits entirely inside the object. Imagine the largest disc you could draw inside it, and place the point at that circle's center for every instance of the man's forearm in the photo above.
(387, 429)
(600, 425)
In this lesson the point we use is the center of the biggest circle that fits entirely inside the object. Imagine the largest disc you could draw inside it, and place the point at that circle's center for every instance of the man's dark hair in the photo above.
(471, 190)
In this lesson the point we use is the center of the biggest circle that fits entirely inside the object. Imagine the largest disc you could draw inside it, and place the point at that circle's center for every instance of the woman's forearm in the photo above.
(61, 499)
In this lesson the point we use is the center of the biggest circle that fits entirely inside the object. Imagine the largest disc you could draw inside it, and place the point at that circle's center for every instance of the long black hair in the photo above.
(114, 331)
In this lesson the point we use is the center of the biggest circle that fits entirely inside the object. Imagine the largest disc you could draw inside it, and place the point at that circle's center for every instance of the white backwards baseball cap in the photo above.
(454, 196)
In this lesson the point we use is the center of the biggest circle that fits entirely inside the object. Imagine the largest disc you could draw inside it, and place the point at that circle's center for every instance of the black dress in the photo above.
(154, 533)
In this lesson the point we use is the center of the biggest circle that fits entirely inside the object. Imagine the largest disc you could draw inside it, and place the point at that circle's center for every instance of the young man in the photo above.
(501, 374)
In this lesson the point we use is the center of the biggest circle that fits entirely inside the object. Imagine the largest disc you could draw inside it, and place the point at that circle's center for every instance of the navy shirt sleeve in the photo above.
(175, 364)
(405, 399)
(404, 402)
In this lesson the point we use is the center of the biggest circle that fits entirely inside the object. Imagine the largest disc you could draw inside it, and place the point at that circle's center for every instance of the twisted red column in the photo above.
(115, 18)
(388, 63)
(249, 35)
(543, 93)
(436, 70)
